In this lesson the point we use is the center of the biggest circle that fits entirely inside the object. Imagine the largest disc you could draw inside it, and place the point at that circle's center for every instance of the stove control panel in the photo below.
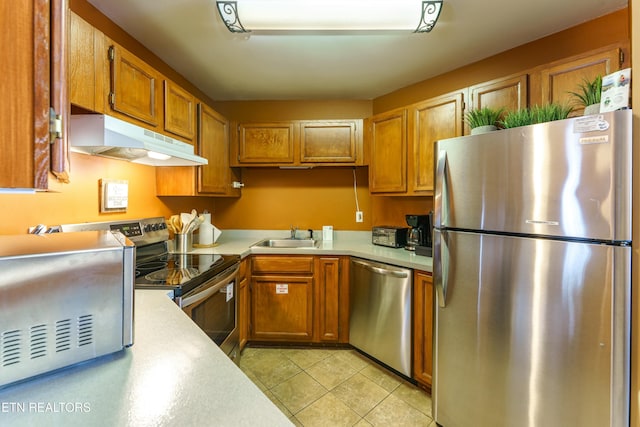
(142, 232)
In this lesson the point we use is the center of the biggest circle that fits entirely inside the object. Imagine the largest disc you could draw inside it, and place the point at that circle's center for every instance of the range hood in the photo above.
(106, 136)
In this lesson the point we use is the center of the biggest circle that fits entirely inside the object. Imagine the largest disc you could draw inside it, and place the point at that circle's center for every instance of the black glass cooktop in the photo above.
(181, 272)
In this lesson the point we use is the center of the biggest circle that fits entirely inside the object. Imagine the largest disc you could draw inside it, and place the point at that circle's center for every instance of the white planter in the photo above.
(483, 129)
(591, 109)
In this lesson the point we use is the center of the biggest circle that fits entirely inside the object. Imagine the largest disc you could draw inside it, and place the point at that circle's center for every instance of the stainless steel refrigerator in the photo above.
(532, 273)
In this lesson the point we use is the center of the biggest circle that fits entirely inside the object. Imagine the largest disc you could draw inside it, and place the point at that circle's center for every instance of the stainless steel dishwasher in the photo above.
(380, 312)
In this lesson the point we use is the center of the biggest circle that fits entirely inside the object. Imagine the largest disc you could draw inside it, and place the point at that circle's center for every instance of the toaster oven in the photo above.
(66, 298)
(388, 235)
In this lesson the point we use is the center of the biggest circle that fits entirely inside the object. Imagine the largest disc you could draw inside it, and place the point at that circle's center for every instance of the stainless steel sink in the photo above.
(286, 243)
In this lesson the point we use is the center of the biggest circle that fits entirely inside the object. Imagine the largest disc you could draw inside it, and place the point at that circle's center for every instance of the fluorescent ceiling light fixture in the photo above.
(244, 16)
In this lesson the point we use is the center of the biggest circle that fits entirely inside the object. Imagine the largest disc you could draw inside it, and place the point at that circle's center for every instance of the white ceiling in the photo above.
(190, 36)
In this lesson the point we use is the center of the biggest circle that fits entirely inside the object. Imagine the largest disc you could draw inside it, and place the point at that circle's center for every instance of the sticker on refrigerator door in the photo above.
(602, 139)
(282, 288)
(229, 292)
(593, 123)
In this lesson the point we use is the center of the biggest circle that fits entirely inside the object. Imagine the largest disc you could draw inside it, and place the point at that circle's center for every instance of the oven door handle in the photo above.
(210, 290)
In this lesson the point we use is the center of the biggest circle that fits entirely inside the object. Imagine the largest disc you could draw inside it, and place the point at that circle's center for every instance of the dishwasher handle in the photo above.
(381, 270)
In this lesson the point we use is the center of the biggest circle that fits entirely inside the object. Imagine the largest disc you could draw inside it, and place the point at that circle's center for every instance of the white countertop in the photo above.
(173, 375)
(352, 243)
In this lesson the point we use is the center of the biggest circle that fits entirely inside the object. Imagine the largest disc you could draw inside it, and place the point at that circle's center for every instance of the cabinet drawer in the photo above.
(282, 264)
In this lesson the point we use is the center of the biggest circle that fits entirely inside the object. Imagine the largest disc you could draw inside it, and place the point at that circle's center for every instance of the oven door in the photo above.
(213, 307)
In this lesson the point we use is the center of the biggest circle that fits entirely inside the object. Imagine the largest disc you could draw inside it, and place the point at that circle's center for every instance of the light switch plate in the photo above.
(114, 195)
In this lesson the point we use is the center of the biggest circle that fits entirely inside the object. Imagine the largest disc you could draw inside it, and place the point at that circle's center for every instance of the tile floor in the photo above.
(335, 387)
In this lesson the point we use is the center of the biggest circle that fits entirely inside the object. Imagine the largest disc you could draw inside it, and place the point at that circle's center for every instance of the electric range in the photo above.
(156, 266)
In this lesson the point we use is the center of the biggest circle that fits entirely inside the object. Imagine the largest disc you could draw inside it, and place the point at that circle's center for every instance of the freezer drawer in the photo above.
(531, 332)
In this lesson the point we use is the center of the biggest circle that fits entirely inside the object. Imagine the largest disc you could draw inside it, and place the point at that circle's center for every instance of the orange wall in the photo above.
(79, 200)
(278, 198)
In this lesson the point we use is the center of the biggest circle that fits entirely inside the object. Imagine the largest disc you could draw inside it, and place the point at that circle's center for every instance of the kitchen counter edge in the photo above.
(356, 244)
(172, 375)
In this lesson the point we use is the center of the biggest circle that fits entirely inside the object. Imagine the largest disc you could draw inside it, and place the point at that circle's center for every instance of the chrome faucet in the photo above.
(293, 231)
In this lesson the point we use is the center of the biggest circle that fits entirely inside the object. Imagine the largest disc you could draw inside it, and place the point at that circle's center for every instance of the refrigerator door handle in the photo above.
(441, 187)
(440, 281)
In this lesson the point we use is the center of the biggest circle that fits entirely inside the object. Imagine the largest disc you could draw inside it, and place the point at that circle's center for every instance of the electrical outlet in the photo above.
(359, 216)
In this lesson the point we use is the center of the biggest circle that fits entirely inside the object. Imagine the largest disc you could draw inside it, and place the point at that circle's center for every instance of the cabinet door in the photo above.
(435, 119)
(282, 308)
(32, 78)
(243, 303)
(559, 79)
(510, 93)
(213, 143)
(87, 64)
(266, 143)
(179, 111)
(328, 142)
(387, 134)
(134, 86)
(328, 298)
(213, 179)
(422, 328)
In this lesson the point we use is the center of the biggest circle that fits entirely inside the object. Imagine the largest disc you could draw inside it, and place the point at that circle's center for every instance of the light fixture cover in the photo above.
(329, 15)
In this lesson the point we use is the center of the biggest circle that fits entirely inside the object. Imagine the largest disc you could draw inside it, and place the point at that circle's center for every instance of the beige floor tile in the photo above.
(327, 411)
(415, 397)
(254, 379)
(331, 372)
(307, 357)
(278, 403)
(382, 377)
(360, 394)
(354, 359)
(272, 372)
(393, 411)
(363, 423)
(298, 392)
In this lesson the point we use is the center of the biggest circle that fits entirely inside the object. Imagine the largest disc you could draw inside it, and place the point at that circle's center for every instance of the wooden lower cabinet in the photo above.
(242, 315)
(332, 299)
(281, 298)
(422, 328)
(282, 308)
(299, 299)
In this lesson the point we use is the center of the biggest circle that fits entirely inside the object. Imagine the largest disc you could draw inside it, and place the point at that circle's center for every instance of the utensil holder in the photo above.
(183, 243)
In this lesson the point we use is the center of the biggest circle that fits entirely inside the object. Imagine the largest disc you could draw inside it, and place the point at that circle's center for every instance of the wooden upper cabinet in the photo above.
(134, 86)
(387, 136)
(294, 143)
(179, 111)
(510, 93)
(266, 143)
(33, 39)
(87, 65)
(562, 77)
(214, 179)
(429, 121)
(328, 142)
(217, 177)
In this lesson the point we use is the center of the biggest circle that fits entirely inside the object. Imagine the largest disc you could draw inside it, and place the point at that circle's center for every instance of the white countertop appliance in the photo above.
(66, 298)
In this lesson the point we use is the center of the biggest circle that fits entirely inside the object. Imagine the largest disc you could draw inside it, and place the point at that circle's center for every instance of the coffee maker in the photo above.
(419, 235)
